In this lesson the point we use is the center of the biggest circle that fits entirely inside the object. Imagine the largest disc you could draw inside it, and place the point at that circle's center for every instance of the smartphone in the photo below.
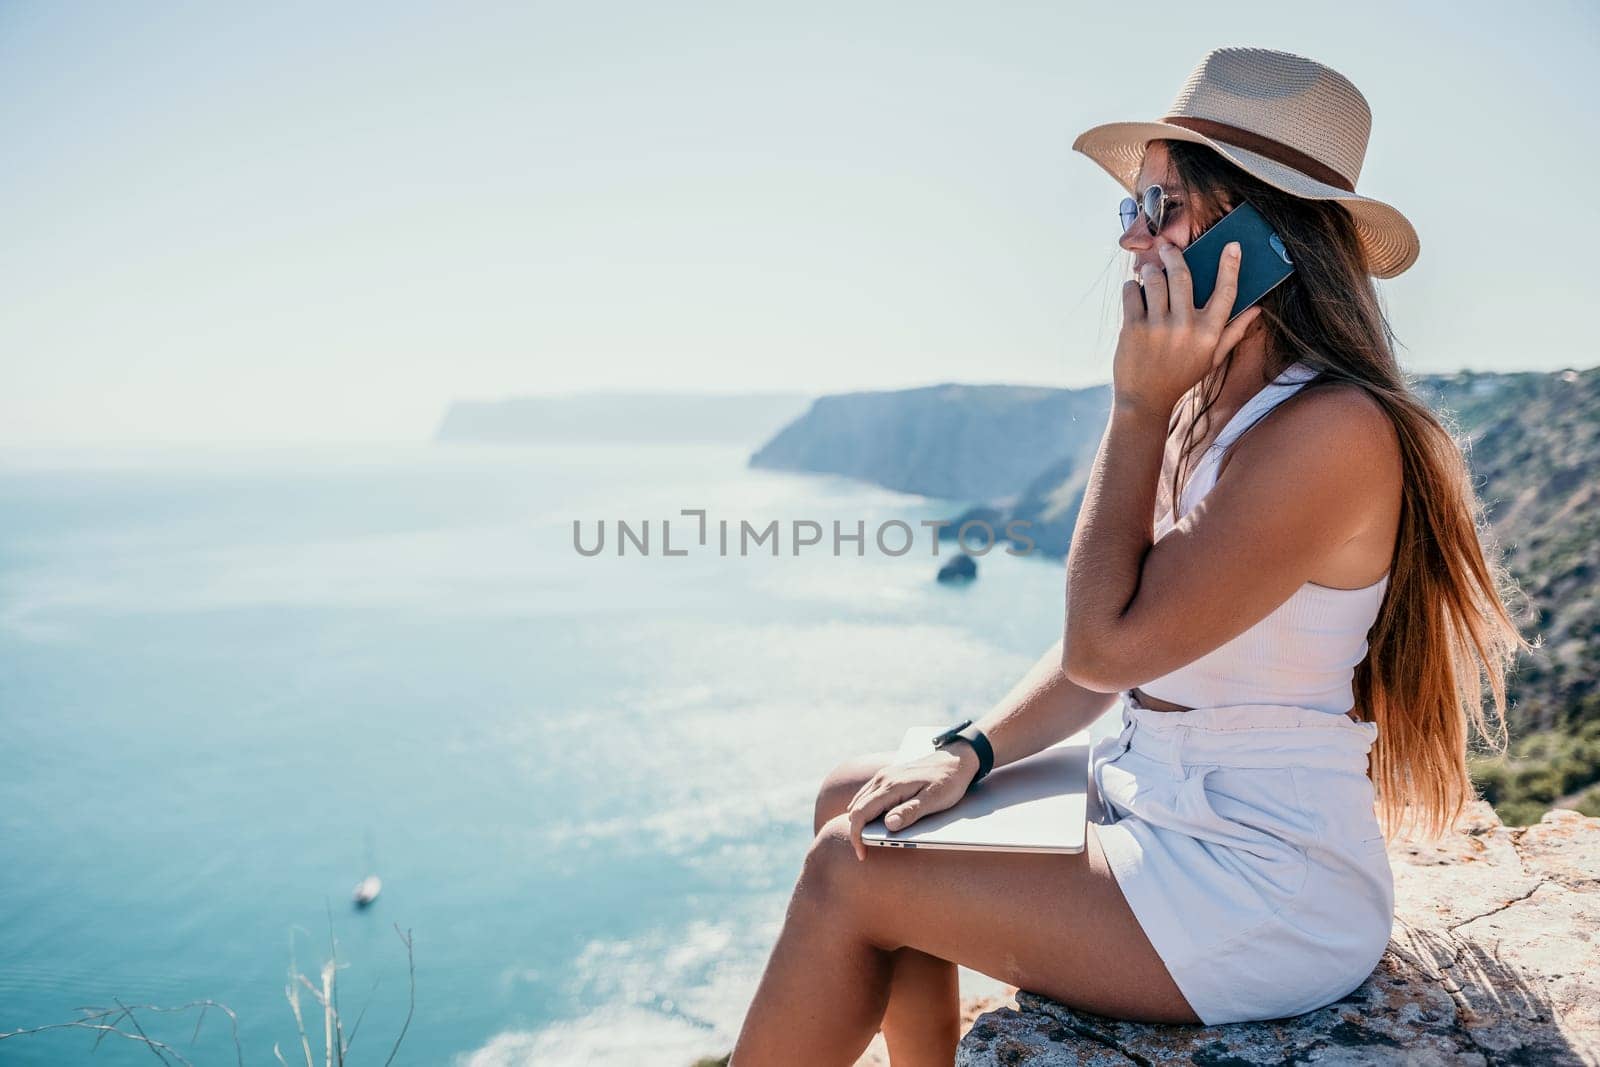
(1263, 261)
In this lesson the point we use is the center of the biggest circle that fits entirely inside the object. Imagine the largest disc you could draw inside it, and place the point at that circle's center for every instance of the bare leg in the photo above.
(1054, 924)
(922, 1023)
(824, 991)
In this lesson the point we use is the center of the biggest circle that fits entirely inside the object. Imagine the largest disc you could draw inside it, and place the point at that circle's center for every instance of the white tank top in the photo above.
(1306, 651)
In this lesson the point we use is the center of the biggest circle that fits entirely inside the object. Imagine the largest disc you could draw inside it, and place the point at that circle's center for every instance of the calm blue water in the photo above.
(231, 682)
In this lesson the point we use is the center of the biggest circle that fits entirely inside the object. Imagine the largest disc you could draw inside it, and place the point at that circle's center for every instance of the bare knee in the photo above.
(837, 885)
(842, 783)
(830, 859)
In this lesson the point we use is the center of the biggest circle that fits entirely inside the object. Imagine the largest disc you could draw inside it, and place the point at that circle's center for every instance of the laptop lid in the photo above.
(1036, 804)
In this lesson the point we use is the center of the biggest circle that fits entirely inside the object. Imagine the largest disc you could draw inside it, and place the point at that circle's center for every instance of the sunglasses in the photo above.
(1153, 205)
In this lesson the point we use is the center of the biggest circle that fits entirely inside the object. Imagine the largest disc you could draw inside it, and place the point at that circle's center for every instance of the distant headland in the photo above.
(621, 418)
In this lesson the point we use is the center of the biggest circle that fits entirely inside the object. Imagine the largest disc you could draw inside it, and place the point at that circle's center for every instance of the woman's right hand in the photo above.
(912, 789)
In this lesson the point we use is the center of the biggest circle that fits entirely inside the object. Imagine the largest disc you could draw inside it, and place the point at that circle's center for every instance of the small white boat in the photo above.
(367, 890)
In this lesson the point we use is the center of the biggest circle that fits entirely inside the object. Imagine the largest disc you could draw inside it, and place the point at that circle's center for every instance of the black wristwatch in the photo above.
(965, 731)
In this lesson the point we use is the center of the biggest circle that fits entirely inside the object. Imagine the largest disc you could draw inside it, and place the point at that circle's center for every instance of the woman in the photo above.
(1298, 656)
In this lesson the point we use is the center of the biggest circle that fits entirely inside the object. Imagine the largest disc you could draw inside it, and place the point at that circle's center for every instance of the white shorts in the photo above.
(1246, 842)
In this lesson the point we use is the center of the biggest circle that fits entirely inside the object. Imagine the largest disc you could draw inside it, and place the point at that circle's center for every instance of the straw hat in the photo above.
(1286, 119)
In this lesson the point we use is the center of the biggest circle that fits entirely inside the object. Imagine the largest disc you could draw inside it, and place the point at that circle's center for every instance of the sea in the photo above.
(236, 681)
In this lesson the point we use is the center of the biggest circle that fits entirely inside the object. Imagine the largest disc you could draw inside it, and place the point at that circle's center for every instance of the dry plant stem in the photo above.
(333, 958)
(411, 970)
(94, 1020)
(335, 1043)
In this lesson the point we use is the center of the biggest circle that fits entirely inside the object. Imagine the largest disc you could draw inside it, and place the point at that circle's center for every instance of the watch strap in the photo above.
(967, 731)
(980, 744)
(945, 737)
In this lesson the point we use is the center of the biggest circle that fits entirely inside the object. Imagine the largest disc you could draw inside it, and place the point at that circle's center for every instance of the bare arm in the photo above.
(1041, 709)
(1304, 482)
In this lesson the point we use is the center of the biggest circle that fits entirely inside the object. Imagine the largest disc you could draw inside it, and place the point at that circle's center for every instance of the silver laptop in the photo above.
(1038, 804)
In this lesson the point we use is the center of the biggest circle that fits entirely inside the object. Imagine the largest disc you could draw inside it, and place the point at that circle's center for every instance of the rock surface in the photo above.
(960, 568)
(1495, 959)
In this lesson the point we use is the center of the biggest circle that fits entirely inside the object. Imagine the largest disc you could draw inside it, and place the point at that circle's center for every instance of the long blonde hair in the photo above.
(1444, 632)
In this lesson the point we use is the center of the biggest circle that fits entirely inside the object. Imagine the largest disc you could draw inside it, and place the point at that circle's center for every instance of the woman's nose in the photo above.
(1137, 238)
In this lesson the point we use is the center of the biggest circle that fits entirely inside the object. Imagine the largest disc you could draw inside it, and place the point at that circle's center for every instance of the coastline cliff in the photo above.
(979, 442)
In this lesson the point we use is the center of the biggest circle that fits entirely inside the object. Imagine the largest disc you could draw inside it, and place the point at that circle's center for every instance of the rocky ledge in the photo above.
(1495, 959)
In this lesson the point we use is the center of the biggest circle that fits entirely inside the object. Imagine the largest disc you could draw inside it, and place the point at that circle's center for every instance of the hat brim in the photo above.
(1389, 239)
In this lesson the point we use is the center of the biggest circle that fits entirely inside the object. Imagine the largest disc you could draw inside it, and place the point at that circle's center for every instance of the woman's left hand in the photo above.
(1167, 344)
(911, 789)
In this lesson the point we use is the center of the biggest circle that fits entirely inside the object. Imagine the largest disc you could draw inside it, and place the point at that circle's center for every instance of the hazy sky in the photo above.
(318, 221)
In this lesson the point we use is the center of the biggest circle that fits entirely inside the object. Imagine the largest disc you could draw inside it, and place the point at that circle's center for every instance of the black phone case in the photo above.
(1263, 262)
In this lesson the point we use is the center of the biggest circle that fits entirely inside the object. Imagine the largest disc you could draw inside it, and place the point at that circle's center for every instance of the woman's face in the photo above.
(1176, 228)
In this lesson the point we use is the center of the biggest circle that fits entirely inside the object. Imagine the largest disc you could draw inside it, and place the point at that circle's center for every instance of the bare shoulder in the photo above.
(1334, 432)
